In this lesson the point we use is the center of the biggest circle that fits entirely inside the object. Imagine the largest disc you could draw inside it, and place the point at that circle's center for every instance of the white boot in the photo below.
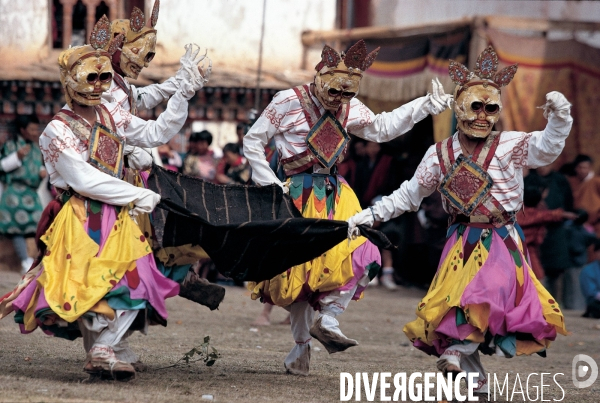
(101, 359)
(297, 361)
(449, 362)
(124, 353)
(26, 265)
(326, 330)
(387, 279)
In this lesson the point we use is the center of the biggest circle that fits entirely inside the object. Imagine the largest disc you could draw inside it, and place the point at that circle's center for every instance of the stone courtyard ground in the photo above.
(38, 368)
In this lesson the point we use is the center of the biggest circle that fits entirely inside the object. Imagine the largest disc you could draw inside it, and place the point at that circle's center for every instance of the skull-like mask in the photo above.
(139, 42)
(137, 55)
(334, 87)
(338, 76)
(477, 102)
(477, 109)
(86, 71)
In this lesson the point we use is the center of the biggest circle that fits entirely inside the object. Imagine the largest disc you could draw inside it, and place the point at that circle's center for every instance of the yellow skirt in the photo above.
(330, 271)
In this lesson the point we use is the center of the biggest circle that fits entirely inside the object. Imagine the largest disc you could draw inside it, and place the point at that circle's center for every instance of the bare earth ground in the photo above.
(38, 368)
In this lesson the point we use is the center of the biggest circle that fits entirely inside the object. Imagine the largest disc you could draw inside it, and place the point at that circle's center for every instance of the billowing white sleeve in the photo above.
(545, 146)
(10, 162)
(386, 126)
(258, 137)
(68, 167)
(151, 95)
(152, 133)
(411, 193)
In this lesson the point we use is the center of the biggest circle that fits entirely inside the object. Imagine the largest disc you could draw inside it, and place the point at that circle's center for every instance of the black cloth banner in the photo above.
(252, 233)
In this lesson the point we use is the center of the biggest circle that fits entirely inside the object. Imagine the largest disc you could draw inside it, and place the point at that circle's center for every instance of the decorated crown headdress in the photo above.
(485, 72)
(355, 59)
(100, 40)
(136, 21)
(135, 27)
(100, 37)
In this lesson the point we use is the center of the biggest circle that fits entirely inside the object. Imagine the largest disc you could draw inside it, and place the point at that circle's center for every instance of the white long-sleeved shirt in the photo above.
(515, 151)
(145, 97)
(284, 120)
(66, 156)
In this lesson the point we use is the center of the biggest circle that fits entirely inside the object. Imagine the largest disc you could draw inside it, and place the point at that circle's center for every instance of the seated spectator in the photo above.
(586, 189)
(554, 251)
(579, 238)
(534, 218)
(590, 285)
(170, 159)
(200, 161)
(233, 168)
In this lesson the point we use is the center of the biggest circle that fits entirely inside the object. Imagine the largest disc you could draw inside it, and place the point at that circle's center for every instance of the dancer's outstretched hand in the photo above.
(439, 99)
(190, 73)
(557, 104)
(365, 217)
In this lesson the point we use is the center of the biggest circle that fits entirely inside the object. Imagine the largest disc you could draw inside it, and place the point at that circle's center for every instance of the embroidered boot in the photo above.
(201, 291)
(326, 330)
(101, 360)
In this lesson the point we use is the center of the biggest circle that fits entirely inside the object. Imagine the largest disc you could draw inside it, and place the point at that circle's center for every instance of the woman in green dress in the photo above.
(21, 172)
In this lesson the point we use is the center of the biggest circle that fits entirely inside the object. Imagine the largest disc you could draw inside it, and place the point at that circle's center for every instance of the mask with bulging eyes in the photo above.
(137, 55)
(477, 109)
(333, 88)
(139, 42)
(338, 75)
(477, 102)
(85, 74)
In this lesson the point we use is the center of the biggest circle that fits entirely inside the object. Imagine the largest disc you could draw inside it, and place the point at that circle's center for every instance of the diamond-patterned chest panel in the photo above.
(106, 150)
(465, 185)
(327, 140)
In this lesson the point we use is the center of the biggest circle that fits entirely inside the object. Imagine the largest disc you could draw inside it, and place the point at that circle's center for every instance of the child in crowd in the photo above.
(170, 159)
(233, 168)
(200, 161)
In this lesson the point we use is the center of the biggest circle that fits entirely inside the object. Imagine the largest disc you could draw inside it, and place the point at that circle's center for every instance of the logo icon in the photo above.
(582, 366)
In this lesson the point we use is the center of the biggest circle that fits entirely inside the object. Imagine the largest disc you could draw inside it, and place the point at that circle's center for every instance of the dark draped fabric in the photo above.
(252, 233)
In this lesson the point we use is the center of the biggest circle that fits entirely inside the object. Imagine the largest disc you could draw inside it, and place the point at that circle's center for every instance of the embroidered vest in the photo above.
(326, 139)
(466, 186)
(104, 145)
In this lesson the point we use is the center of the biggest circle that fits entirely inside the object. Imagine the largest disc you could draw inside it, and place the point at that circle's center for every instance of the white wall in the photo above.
(24, 32)
(230, 29)
(411, 12)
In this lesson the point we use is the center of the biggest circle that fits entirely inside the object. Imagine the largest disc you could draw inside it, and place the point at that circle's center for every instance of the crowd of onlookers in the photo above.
(561, 222)
(201, 161)
(560, 218)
